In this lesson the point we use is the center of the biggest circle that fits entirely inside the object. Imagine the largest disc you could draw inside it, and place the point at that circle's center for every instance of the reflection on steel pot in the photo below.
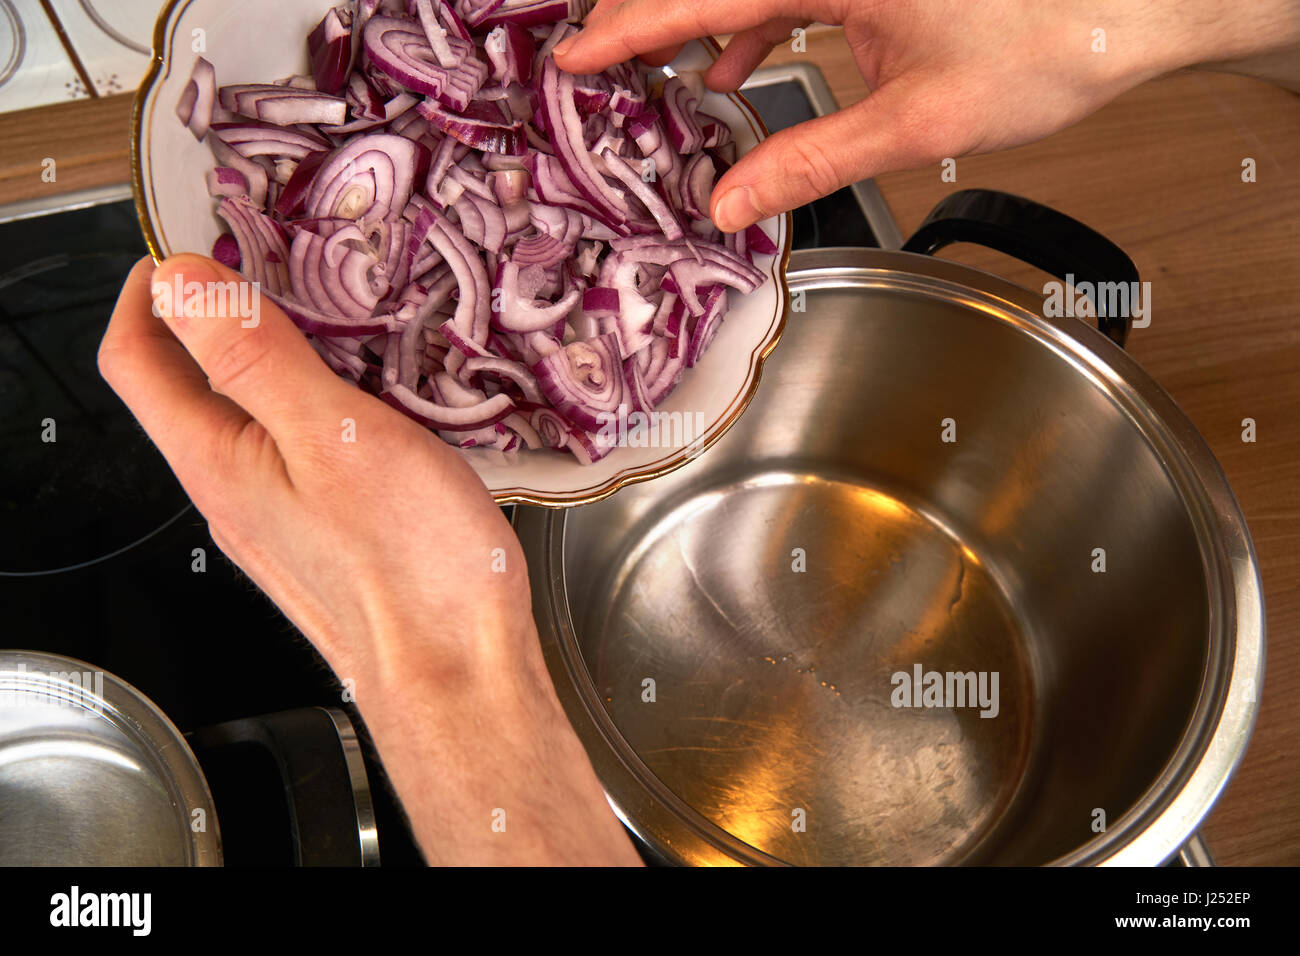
(760, 651)
(93, 774)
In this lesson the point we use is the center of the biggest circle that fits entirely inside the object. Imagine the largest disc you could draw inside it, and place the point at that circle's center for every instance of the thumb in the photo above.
(248, 348)
(805, 162)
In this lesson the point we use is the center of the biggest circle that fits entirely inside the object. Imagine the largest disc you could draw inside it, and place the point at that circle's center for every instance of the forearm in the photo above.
(1260, 38)
(481, 754)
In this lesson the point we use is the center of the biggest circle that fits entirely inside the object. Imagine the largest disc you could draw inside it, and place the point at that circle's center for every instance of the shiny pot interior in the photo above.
(930, 476)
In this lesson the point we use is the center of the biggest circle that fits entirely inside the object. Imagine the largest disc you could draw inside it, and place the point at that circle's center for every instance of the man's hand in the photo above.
(949, 77)
(381, 544)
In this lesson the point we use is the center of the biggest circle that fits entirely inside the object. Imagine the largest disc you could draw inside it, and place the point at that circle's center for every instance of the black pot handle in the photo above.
(1035, 234)
(319, 760)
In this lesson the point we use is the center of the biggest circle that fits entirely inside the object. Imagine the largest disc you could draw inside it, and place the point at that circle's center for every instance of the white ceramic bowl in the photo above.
(261, 42)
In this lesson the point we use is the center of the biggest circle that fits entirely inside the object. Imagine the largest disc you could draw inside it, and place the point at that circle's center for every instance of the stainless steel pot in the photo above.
(93, 774)
(728, 639)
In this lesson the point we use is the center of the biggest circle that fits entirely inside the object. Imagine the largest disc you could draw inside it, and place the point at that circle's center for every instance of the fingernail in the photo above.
(179, 288)
(736, 210)
(567, 44)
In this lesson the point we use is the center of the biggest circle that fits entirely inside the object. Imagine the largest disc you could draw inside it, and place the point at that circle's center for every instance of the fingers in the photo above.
(655, 58)
(636, 27)
(746, 51)
(885, 131)
(158, 380)
(248, 348)
(662, 57)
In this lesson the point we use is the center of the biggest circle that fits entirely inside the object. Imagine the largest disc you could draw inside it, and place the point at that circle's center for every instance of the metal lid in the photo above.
(93, 774)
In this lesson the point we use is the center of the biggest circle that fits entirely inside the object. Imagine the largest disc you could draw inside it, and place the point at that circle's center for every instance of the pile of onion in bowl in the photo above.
(512, 255)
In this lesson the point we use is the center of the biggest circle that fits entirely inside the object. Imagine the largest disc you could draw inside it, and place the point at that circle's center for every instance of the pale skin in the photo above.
(950, 77)
(384, 551)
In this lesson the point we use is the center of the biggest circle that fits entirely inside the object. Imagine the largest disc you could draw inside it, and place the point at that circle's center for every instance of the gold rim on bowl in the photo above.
(505, 495)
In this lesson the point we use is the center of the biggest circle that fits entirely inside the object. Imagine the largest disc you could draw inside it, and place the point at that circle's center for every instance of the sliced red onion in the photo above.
(670, 372)
(365, 97)
(679, 116)
(330, 49)
(226, 251)
(589, 100)
(224, 181)
(466, 347)
(695, 186)
(600, 301)
(262, 248)
(198, 99)
(625, 103)
(633, 324)
(528, 13)
(715, 133)
(388, 239)
(510, 49)
(482, 221)
(400, 49)
(759, 241)
(584, 381)
(473, 309)
(589, 447)
(446, 417)
(284, 106)
(482, 124)
(562, 117)
(472, 12)
(638, 395)
(622, 169)
(452, 20)
(510, 185)
(370, 177)
(325, 323)
(294, 195)
(534, 174)
(518, 313)
(518, 423)
(706, 326)
(541, 250)
(436, 34)
(331, 278)
(515, 371)
(253, 173)
(267, 139)
(393, 109)
(551, 427)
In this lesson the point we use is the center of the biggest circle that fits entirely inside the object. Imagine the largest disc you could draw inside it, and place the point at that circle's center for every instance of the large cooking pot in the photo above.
(785, 652)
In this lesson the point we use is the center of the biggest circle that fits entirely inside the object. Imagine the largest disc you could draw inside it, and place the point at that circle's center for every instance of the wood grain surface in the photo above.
(89, 141)
(1159, 172)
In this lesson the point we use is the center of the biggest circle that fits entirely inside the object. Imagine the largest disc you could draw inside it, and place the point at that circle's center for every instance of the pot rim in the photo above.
(1216, 735)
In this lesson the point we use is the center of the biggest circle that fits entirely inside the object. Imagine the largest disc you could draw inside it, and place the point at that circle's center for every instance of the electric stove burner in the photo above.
(81, 481)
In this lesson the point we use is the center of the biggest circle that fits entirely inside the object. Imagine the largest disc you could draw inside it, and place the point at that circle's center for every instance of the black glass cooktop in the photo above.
(102, 558)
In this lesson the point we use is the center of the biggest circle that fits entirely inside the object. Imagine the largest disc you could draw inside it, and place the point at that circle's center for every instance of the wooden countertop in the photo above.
(89, 141)
(1159, 172)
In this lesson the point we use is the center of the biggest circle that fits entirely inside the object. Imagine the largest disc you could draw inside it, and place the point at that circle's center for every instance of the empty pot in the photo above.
(962, 586)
